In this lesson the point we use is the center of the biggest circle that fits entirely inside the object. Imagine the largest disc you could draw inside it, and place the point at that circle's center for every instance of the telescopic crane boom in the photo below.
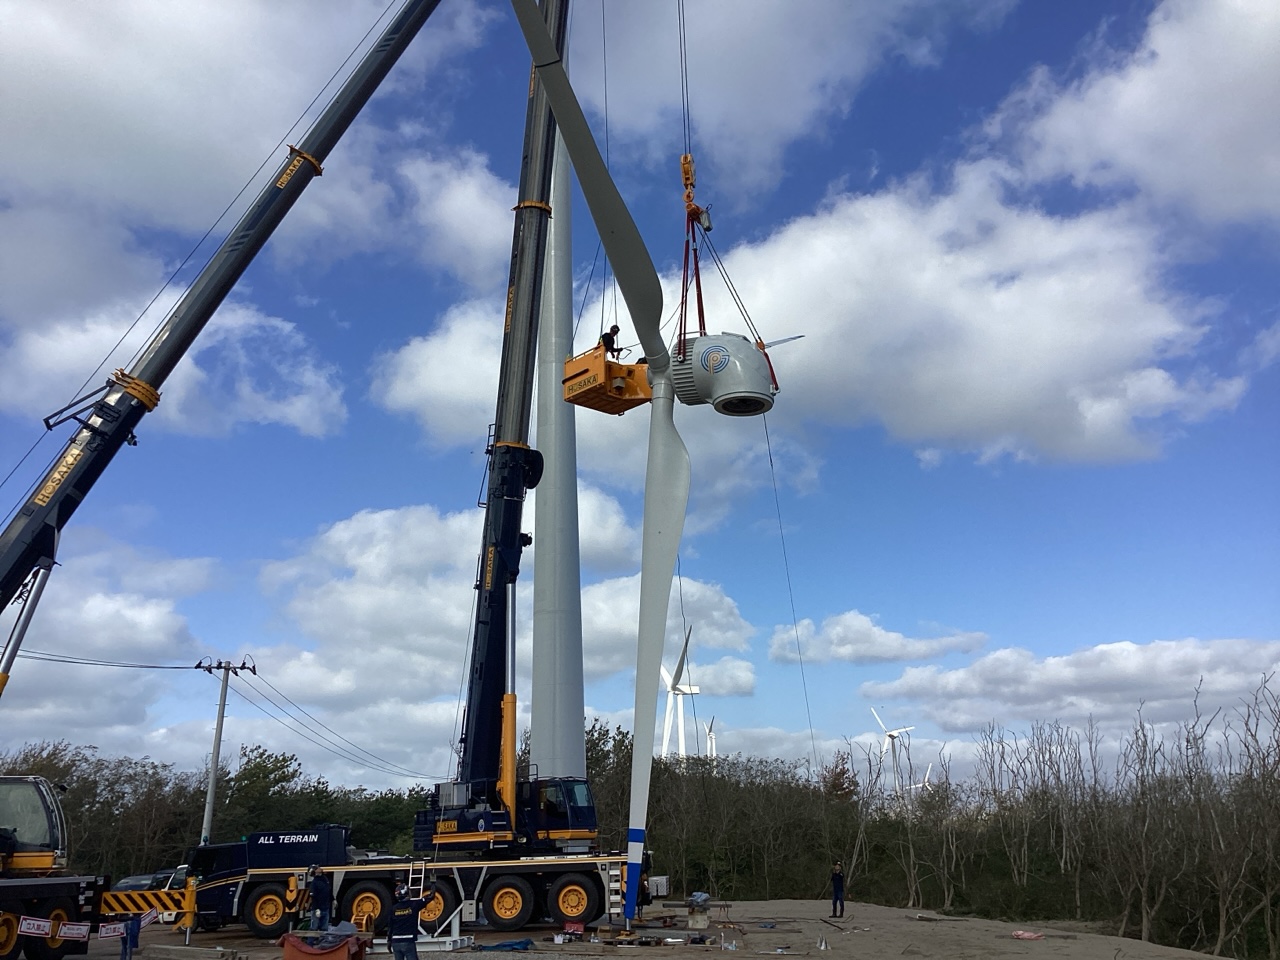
(107, 417)
(485, 808)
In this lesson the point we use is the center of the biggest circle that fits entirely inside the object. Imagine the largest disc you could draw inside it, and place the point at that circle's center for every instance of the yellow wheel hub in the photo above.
(366, 905)
(507, 903)
(268, 910)
(8, 933)
(572, 900)
(59, 916)
(433, 909)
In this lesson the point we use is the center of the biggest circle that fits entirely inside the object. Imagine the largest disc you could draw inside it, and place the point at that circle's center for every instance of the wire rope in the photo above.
(299, 732)
(314, 718)
(791, 596)
(684, 81)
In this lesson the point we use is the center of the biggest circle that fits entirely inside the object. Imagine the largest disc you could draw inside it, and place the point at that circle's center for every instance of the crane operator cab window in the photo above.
(27, 823)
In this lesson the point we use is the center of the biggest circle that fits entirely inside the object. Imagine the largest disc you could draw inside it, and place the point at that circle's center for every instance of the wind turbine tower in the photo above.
(890, 746)
(676, 692)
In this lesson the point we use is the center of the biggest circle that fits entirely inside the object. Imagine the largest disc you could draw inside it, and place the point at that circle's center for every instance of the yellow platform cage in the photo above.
(592, 380)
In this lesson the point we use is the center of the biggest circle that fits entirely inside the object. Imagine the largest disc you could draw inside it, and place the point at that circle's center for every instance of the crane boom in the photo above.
(30, 541)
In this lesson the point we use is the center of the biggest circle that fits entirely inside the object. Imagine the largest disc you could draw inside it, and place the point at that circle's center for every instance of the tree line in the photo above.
(1172, 835)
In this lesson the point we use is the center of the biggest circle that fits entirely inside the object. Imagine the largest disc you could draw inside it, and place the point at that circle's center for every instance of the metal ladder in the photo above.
(613, 889)
(417, 877)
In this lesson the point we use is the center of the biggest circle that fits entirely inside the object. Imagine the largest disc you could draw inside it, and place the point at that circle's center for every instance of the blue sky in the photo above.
(1026, 452)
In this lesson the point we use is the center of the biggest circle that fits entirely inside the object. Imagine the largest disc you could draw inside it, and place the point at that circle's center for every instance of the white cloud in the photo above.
(107, 601)
(727, 677)
(395, 585)
(757, 83)
(1178, 118)
(251, 368)
(961, 319)
(452, 400)
(610, 610)
(1105, 682)
(857, 638)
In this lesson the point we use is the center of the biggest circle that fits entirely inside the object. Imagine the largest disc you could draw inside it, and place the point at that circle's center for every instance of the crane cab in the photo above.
(592, 380)
(33, 832)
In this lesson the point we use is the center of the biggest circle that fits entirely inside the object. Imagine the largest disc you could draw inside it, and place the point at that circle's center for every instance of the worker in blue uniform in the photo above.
(402, 928)
(321, 899)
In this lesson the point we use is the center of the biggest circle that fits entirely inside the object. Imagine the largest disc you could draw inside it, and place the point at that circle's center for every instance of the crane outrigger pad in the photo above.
(592, 380)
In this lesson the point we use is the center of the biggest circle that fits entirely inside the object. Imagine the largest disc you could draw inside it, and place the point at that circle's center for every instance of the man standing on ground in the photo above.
(837, 890)
(402, 930)
(321, 899)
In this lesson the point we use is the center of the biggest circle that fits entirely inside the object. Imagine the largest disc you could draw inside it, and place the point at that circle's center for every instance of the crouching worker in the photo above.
(402, 930)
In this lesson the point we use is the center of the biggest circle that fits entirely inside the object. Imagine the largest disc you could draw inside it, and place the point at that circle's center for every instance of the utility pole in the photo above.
(227, 668)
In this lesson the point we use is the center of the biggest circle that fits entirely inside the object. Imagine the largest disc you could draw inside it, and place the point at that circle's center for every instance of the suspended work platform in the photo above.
(592, 380)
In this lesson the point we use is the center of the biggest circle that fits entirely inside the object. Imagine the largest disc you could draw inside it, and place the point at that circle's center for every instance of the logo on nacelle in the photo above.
(714, 358)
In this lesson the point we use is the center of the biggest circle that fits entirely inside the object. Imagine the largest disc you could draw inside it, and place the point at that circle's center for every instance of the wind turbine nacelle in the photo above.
(727, 371)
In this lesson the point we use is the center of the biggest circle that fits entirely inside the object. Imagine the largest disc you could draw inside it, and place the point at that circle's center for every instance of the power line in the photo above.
(312, 736)
(93, 662)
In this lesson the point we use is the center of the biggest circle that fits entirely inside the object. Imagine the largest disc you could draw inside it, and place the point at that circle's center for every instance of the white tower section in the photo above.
(558, 744)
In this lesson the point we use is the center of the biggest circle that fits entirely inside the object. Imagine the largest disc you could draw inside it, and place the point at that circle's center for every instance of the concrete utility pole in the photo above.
(227, 668)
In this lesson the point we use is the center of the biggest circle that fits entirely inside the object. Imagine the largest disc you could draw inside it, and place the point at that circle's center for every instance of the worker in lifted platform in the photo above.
(610, 341)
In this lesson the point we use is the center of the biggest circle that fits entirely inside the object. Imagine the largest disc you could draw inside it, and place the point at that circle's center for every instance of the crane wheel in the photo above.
(267, 912)
(573, 898)
(439, 908)
(10, 942)
(52, 947)
(370, 899)
(508, 903)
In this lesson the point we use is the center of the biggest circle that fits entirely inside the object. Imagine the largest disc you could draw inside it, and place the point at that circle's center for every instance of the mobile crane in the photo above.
(509, 845)
(33, 884)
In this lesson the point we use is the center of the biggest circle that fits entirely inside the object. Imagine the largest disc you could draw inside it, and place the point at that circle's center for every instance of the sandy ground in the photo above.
(866, 933)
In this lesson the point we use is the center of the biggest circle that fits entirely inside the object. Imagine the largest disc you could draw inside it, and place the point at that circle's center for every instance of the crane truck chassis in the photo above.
(33, 856)
(262, 883)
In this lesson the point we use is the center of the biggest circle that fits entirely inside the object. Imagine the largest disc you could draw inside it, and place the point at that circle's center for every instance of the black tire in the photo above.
(435, 915)
(508, 902)
(10, 940)
(573, 898)
(266, 912)
(53, 947)
(367, 898)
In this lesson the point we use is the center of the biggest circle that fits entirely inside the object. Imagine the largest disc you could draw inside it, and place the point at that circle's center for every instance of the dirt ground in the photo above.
(865, 933)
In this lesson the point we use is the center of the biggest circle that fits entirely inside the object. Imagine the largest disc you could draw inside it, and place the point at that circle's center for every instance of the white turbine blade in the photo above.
(899, 732)
(669, 683)
(666, 488)
(878, 720)
(774, 343)
(927, 770)
(666, 496)
(632, 265)
(884, 747)
(711, 726)
(684, 654)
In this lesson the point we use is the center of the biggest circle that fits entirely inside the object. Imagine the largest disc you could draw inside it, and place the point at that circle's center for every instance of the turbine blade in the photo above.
(666, 495)
(666, 489)
(878, 720)
(632, 265)
(684, 654)
(666, 678)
